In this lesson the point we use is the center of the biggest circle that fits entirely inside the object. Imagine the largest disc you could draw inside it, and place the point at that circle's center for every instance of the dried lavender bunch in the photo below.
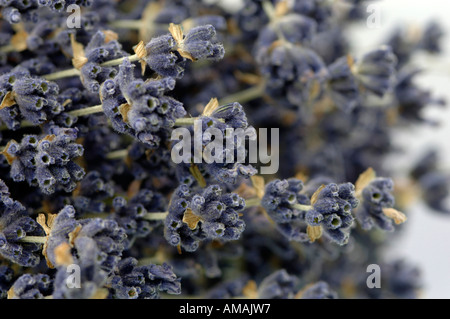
(87, 171)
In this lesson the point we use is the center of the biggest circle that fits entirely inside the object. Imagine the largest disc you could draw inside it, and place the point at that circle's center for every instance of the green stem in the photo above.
(302, 207)
(23, 124)
(34, 239)
(156, 216)
(252, 202)
(244, 96)
(269, 10)
(76, 72)
(147, 216)
(87, 111)
(132, 58)
(62, 74)
(7, 48)
(119, 154)
(127, 24)
(134, 24)
(149, 260)
(186, 121)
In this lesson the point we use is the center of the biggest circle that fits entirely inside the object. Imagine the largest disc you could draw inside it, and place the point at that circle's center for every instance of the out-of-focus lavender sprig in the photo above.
(88, 181)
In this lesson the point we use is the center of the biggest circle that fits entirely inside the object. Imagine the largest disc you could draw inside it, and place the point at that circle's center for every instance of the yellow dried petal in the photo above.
(314, 232)
(19, 40)
(63, 257)
(394, 214)
(250, 290)
(8, 100)
(186, 54)
(316, 194)
(79, 58)
(73, 235)
(281, 8)
(141, 53)
(101, 293)
(364, 179)
(212, 105)
(110, 35)
(134, 188)
(41, 220)
(11, 293)
(79, 62)
(47, 224)
(191, 219)
(259, 185)
(124, 109)
(176, 32)
(140, 50)
(9, 158)
(50, 138)
(51, 219)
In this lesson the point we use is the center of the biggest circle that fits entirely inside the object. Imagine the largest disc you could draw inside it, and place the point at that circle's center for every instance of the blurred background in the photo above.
(425, 237)
(425, 240)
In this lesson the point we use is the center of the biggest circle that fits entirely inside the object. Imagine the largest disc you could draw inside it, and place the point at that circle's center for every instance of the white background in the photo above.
(426, 240)
(426, 237)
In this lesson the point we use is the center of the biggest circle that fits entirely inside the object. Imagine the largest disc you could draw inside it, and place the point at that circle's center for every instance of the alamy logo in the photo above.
(74, 279)
(74, 19)
(215, 146)
(374, 279)
(374, 19)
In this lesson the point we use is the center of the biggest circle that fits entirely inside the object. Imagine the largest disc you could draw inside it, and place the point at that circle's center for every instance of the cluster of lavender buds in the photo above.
(135, 140)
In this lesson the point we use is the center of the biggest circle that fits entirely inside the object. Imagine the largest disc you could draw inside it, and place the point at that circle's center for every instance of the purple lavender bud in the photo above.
(213, 215)
(343, 86)
(296, 74)
(151, 114)
(37, 286)
(432, 37)
(377, 71)
(320, 290)
(412, 99)
(131, 216)
(143, 282)
(200, 42)
(278, 285)
(47, 163)
(161, 58)
(375, 197)
(11, 14)
(333, 210)
(36, 98)
(279, 196)
(15, 224)
(6, 280)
